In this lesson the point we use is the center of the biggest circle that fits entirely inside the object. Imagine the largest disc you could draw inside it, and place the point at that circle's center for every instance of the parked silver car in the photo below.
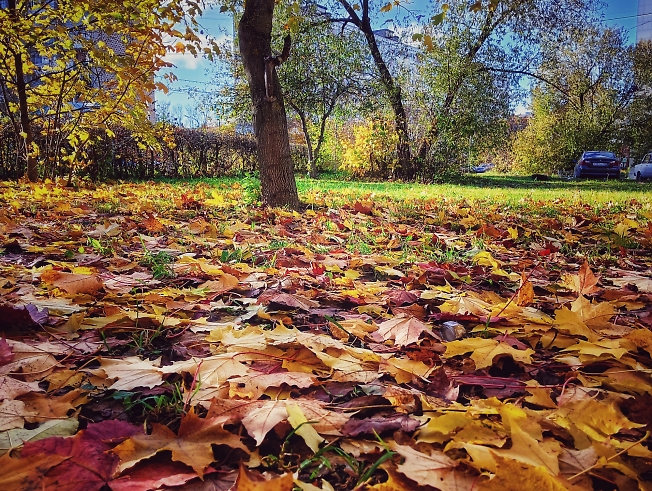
(643, 170)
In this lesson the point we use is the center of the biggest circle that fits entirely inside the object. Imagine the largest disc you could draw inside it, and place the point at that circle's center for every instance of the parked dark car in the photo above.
(598, 164)
(480, 168)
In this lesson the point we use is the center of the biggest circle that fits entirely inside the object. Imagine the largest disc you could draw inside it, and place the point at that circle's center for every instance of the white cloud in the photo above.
(184, 60)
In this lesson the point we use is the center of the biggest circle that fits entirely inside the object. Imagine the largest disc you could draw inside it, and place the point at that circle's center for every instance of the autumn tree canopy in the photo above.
(69, 70)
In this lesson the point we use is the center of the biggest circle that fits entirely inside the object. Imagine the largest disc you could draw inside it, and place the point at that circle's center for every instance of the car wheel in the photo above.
(639, 177)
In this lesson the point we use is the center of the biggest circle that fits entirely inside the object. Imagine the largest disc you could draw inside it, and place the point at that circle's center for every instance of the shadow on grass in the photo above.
(526, 182)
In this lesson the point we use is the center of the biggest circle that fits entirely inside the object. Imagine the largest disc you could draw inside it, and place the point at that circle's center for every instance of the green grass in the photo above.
(509, 189)
(518, 193)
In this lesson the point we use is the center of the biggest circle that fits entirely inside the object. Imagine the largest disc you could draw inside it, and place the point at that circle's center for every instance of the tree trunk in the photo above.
(312, 165)
(406, 168)
(25, 123)
(278, 186)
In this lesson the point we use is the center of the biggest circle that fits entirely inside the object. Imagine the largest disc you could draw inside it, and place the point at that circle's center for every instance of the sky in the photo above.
(192, 72)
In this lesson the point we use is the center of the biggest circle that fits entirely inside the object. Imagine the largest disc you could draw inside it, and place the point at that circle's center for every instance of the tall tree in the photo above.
(278, 186)
(585, 84)
(328, 68)
(363, 22)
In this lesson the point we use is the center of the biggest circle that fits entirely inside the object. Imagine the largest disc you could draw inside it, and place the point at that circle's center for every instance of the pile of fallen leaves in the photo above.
(170, 337)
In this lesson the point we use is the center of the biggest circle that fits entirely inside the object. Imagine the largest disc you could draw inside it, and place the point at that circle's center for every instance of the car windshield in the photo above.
(606, 155)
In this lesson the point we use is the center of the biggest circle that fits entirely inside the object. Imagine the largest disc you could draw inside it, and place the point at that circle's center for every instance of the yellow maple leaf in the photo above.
(588, 419)
(512, 475)
(485, 350)
(641, 338)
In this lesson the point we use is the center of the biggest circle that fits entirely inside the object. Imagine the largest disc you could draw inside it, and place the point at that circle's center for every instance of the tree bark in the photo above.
(21, 91)
(278, 186)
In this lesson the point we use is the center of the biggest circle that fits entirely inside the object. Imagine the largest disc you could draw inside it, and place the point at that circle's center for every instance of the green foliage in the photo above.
(159, 263)
(326, 75)
(102, 247)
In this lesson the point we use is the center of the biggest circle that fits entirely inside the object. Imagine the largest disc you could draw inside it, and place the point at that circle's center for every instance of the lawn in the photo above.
(492, 333)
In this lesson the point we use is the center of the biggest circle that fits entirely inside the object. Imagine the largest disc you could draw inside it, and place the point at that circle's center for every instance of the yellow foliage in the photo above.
(370, 149)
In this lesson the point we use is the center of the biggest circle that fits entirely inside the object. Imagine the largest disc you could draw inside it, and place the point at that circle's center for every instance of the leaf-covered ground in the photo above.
(173, 337)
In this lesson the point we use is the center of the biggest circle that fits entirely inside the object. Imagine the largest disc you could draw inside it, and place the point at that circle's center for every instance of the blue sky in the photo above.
(191, 71)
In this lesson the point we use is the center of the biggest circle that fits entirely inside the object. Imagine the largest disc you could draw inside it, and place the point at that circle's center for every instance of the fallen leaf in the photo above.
(20, 473)
(513, 474)
(130, 373)
(249, 481)
(72, 283)
(253, 386)
(380, 424)
(303, 427)
(434, 468)
(192, 446)
(582, 283)
(17, 437)
(485, 350)
(403, 330)
(153, 475)
(29, 362)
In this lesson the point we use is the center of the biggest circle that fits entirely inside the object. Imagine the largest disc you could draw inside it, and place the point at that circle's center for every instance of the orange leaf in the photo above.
(72, 283)
(250, 481)
(192, 446)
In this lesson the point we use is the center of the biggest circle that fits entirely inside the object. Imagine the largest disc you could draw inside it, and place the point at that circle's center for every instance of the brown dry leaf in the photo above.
(287, 299)
(261, 419)
(212, 370)
(10, 388)
(72, 283)
(192, 446)
(250, 481)
(403, 330)
(641, 338)
(582, 283)
(433, 469)
(130, 372)
(29, 362)
(13, 414)
(152, 224)
(25, 473)
(47, 407)
(225, 283)
(395, 482)
(525, 292)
